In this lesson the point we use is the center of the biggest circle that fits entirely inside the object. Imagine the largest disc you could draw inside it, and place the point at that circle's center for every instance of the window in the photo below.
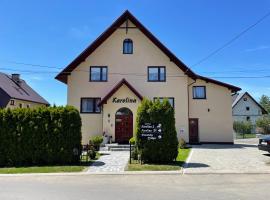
(90, 105)
(170, 99)
(127, 46)
(28, 106)
(20, 105)
(247, 108)
(245, 99)
(199, 92)
(248, 118)
(156, 74)
(99, 74)
(12, 102)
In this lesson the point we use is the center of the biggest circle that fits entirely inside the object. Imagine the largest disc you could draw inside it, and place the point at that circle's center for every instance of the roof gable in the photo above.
(62, 76)
(21, 91)
(241, 95)
(117, 87)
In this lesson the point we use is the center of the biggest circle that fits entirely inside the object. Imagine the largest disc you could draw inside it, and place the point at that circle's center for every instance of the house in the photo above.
(15, 92)
(108, 80)
(246, 108)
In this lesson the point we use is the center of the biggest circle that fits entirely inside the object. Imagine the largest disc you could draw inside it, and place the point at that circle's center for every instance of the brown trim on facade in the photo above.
(117, 87)
(246, 93)
(62, 76)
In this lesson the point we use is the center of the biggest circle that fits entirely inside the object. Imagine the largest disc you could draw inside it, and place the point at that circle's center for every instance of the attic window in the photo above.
(127, 46)
(245, 99)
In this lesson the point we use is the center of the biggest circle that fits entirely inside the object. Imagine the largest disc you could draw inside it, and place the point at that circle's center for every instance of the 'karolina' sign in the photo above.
(124, 100)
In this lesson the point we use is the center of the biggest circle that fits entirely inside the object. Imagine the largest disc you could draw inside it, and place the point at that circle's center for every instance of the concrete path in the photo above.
(111, 161)
(242, 157)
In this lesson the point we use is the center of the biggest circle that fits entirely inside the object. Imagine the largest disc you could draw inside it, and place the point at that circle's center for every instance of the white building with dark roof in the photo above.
(15, 92)
(246, 108)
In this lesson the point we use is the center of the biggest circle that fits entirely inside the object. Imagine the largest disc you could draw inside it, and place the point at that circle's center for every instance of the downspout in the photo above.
(188, 95)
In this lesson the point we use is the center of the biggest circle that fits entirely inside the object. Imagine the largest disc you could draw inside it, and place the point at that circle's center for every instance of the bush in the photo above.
(162, 150)
(264, 124)
(92, 151)
(182, 144)
(132, 141)
(96, 140)
(242, 127)
(42, 136)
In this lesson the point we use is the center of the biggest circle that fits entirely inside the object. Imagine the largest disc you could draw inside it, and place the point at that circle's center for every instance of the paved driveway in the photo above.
(242, 157)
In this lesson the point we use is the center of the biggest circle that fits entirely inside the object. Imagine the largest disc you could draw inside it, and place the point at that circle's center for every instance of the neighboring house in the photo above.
(246, 108)
(14, 93)
(108, 80)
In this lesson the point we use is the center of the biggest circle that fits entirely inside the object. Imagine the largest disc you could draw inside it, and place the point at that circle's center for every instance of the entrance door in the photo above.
(123, 125)
(193, 130)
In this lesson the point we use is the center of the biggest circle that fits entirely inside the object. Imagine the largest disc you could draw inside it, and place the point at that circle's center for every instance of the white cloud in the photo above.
(258, 48)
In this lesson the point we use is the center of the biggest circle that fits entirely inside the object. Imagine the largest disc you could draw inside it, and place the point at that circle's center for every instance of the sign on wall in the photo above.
(124, 100)
(151, 131)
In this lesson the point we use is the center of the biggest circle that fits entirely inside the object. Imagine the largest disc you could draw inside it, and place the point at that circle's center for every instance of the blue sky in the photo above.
(54, 32)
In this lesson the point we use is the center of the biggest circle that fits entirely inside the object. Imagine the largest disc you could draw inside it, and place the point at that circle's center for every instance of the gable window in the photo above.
(127, 46)
(90, 105)
(156, 74)
(161, 99)
(12, 102)
(99, 74)
(245, 99)
(199, 92)
(247, 108)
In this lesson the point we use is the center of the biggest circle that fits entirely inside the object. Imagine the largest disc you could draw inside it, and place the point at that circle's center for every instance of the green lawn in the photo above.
(246, 136)
(176, 165)
(48, 169)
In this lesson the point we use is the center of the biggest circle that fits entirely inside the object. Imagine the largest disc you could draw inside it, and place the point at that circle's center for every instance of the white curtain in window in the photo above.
(199, 92)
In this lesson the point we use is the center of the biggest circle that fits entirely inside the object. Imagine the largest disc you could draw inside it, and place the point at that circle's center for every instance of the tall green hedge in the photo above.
(161, 150)
(42, 136)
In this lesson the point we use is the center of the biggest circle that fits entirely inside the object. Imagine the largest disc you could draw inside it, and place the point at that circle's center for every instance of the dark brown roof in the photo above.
(62, 76)
(21, 90)
(115, 88)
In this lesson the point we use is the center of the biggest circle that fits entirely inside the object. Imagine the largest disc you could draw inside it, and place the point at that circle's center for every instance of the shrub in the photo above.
(242, 127)
(132, 141)
(264, 124)
(161, 150)
(92, 151)
(96, 140)
(182, 144)
(42, 136)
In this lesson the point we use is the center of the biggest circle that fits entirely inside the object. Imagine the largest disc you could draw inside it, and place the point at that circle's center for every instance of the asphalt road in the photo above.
(135, 187)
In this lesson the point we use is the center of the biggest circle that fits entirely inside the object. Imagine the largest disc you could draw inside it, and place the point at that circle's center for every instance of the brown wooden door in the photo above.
(193, 130)
(123, 128)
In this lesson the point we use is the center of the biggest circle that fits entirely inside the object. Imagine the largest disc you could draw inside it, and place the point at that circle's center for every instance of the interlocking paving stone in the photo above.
(242, 157)
(113, 161)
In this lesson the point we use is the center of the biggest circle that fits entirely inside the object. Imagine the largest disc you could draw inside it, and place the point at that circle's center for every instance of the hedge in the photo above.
(42, 136)
(162, 150)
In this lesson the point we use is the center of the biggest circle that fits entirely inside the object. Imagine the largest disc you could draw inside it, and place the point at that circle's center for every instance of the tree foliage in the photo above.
(265, 102)
(242, 127)
(160, 150)
(42, 136)
(264, 124)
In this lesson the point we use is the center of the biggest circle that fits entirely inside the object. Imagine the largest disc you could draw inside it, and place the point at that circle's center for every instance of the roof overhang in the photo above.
(116, 88)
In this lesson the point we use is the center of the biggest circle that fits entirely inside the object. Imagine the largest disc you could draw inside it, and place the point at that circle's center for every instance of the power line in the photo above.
(231, 40)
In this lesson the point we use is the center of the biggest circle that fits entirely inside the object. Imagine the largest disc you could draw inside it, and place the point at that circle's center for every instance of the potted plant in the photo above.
(96, 141)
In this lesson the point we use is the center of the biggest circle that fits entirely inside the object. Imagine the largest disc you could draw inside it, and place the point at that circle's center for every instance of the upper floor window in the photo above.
(127, 46)
(156, 74)
(99, 74)
(161, 99)
(12, 102)
(247, 108)
(90, 105)
(199, 92)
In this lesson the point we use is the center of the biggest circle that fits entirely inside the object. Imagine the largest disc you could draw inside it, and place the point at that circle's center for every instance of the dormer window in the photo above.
(127, 46)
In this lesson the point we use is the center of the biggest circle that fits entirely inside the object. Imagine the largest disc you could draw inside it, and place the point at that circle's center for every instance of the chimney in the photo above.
(15, 78)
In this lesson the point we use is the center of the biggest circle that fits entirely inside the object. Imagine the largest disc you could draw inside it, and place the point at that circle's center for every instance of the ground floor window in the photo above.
(90, 105)
(170, 99)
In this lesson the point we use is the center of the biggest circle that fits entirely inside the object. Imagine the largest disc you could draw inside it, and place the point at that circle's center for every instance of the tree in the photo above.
(264, 124)
(242, 127)
(162, 150)
(265, 102)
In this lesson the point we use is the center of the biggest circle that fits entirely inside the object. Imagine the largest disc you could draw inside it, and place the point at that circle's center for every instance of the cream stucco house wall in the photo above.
(125, 80)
